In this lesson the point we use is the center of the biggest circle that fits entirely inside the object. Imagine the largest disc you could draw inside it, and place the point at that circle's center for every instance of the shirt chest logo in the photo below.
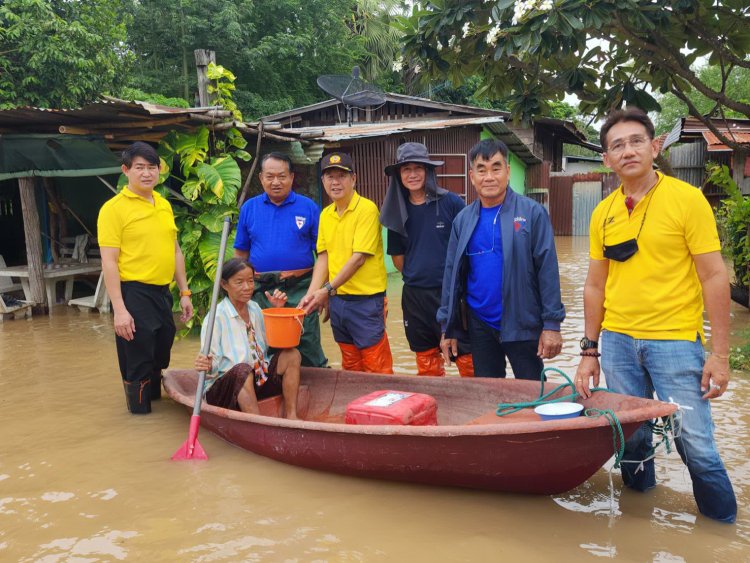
(300, 221)
(440, 225)
(519, 223)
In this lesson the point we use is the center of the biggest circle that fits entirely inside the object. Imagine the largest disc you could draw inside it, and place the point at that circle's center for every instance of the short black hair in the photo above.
(234, 266)
(144, 150)
(630, 113)
(487, 149)
(277, 156)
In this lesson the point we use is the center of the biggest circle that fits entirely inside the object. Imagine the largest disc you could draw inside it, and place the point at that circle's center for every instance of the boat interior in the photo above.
(325, 393)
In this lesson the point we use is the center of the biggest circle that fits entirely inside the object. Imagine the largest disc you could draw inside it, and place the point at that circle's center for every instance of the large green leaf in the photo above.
(208, 248)
(192, 148)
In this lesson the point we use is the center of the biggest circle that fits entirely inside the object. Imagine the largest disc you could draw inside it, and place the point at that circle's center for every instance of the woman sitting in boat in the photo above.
(239, 369)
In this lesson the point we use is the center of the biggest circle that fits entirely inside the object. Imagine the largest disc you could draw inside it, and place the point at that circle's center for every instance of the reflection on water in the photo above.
(82, 480)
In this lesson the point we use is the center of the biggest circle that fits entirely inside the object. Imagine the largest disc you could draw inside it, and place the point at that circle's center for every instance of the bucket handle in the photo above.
(300, 324)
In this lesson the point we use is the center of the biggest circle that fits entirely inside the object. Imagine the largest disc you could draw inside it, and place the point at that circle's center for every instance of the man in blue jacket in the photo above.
(501, 281)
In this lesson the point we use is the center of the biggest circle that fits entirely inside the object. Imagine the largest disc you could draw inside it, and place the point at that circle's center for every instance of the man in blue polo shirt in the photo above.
(277, 233)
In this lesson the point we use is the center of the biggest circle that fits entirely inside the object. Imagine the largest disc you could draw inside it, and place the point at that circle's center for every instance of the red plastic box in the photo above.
(393, 407)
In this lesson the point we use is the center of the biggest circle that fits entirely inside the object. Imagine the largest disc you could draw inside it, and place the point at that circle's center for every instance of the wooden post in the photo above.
(33, 236)
(202, 58)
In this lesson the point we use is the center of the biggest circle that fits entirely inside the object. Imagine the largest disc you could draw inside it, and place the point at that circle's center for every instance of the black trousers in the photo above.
(420, 306)
(489, 352)
(150, 350)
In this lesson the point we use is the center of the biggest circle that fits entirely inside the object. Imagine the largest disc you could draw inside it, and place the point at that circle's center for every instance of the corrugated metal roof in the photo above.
(688, 129)
(338, 133)
(119, 121)
(715, 145)
(106, 111)
(390, 97)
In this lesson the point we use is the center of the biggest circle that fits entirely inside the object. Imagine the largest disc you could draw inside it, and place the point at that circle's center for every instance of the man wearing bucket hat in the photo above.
(277, 232)
(419, 215)
(350, 271)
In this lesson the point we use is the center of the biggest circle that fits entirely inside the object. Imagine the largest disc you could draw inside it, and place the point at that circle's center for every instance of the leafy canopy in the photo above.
(60, 53)
(607, 52)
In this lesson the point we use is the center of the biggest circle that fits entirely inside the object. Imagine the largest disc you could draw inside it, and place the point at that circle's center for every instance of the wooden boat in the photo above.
(470, 447)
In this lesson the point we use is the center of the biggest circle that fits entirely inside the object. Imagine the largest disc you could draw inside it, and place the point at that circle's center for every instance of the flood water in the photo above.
(82, 480)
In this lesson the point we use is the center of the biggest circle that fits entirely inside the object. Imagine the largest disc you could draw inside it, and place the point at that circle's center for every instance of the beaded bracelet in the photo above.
(590, 354)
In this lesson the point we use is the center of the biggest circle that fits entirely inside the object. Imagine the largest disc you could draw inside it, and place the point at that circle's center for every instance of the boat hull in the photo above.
(518, 453)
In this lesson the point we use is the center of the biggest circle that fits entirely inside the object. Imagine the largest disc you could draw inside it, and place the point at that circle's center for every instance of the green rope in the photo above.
(617, 435)
(618, 438)
(543, 399)
(660, 429)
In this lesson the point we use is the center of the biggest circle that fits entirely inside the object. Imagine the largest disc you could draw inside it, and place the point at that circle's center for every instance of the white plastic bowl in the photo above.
(558, 411)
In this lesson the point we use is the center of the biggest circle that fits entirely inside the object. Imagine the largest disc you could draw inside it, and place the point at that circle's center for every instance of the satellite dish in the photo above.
(352, 91)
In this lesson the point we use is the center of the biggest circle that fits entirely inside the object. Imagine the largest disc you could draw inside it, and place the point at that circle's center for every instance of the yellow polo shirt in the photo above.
(356, 230)
(145, 233)
(656, 293)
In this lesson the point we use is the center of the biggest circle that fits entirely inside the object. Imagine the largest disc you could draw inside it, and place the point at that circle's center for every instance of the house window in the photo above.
(453, 175)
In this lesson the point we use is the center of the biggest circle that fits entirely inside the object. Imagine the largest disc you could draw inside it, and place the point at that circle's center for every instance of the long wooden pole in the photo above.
(202, 59)
(33, 236)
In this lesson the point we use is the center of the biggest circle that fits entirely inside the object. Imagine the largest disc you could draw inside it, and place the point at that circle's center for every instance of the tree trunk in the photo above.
(33, 236)
(202, 59)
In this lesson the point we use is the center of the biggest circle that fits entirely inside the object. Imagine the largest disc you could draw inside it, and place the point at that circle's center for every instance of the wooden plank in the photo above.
(33, 237)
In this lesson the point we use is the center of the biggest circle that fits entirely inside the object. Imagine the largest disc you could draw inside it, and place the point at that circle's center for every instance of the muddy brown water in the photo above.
(81, 480)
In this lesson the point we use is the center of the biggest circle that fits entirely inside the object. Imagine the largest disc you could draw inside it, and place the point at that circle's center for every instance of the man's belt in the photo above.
(287, 278)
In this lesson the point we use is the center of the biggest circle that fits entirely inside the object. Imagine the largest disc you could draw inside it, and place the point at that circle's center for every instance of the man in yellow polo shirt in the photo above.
(140, 257)
(349, 274)
(655, 262)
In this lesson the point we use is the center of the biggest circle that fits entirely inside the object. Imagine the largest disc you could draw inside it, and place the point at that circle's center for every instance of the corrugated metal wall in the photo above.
(372, 156)
(610, 182)
(586, 195)
(689, 162)
(561, 204)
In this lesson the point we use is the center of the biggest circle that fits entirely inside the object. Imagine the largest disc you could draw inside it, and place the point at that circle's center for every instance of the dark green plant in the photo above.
(61, 53)
(733, 219)
(608, 53)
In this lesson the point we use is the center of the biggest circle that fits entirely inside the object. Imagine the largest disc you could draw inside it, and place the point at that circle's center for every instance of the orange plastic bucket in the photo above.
(283, 326)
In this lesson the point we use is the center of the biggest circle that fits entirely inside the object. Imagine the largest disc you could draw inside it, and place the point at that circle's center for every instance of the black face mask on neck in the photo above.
(622, 251)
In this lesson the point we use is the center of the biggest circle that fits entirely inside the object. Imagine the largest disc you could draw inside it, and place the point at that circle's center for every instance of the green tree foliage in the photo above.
(276, 48)
(608, 53)
(672, 108)
(733, 220)
(60, 53)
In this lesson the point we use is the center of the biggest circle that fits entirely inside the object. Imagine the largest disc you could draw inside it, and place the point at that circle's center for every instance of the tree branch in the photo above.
(707, 121)
(669, 60)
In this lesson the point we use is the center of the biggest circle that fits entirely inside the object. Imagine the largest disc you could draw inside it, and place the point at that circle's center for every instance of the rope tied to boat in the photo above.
(661, 429)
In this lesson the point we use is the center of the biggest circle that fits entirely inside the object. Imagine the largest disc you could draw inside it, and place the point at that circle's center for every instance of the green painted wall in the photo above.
(517, 173)
(389, 267)
(517, 167)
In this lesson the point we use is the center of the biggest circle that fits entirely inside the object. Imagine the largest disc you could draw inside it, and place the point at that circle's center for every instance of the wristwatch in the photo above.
(329, 289)
(588, 344)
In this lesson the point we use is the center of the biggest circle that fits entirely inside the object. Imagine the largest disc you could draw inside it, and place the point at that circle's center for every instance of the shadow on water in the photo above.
(81, 480)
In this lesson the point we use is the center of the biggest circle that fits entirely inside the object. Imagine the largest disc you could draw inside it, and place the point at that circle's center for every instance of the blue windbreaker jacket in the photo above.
(531, 278)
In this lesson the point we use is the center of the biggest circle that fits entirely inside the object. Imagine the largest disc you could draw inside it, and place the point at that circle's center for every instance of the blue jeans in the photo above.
(489, 351)
(672, 368)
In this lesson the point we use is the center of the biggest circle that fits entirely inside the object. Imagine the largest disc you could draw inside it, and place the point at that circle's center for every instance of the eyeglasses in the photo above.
(636, 143)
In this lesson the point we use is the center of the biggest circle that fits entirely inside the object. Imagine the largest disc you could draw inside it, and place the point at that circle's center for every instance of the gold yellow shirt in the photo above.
(656, 294)
(144, 232)
(356, 230)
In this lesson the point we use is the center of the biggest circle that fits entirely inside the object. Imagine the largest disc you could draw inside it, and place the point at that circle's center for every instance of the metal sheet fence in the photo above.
(586, 196)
